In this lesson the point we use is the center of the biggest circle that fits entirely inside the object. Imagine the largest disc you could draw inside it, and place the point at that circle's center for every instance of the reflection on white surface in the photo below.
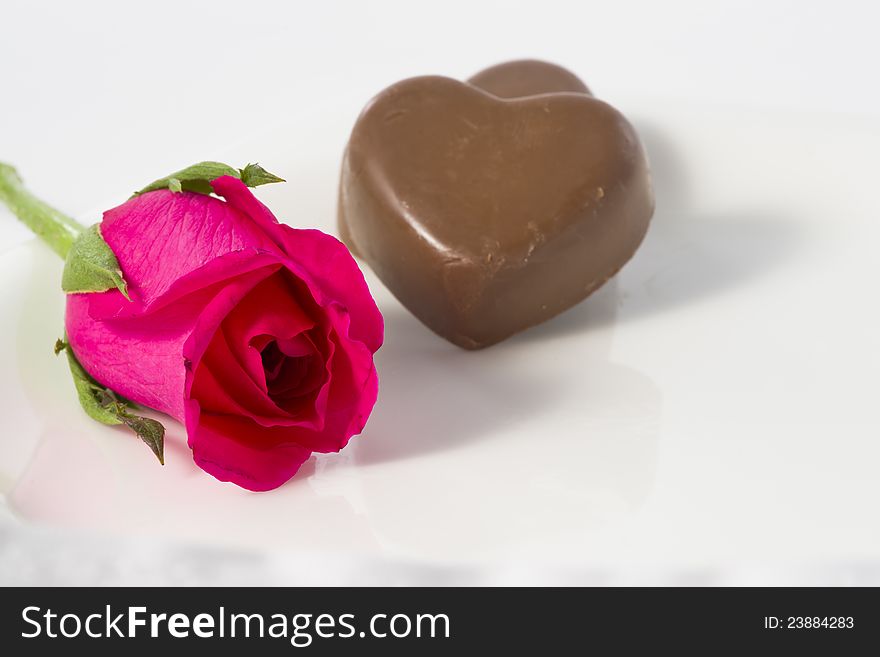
(468, 455)
(705, 418)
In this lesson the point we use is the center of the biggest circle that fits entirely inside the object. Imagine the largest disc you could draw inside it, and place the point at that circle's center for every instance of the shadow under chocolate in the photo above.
(687, 256)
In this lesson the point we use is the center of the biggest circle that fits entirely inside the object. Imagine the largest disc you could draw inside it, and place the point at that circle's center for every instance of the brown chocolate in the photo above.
(485, 215)
(527, 77)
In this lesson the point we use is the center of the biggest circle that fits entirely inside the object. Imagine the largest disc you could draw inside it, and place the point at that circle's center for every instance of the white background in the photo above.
(743, 338)
(110, 92)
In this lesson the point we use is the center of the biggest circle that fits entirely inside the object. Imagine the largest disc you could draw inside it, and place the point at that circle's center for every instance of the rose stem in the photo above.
(53, 227)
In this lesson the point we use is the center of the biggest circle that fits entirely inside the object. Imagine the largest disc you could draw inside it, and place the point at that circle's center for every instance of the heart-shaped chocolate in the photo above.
(486, 215)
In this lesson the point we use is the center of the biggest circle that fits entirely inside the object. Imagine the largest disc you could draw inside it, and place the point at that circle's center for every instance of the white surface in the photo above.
(709, 416)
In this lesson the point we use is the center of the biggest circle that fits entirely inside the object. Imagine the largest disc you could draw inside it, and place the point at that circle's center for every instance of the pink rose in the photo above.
(257, 336)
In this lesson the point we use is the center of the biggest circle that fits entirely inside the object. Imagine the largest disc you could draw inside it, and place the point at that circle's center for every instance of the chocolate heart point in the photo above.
(484, 215)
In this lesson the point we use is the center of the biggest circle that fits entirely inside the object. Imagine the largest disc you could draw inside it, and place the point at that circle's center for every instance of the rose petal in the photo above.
(326, 260)
(326, 264)
(272, 308)
(222, 387)
(141, 357)
(161, 236)
(240, 197)
(217, 449)
(353, 388)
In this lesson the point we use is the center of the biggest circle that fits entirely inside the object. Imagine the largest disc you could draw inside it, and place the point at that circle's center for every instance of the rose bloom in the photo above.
(257, 336)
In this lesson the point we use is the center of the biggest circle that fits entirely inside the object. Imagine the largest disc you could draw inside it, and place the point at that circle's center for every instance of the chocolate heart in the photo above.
(486, 215)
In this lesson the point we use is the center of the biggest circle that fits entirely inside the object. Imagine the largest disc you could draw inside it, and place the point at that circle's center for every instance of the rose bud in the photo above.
(192, 299)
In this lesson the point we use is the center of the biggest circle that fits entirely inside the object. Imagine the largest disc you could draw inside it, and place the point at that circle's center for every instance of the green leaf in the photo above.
(253, 175)
(91, 265)
(198, 177)
(105, 406)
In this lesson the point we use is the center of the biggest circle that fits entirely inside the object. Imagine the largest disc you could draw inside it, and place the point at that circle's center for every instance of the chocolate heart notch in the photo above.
(485, 216)
(527, 77)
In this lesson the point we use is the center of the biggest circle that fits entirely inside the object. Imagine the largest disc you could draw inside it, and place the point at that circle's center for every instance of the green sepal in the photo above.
(253, 175)
(86, 389)
(105, 406)
(198, 177)
(148, 430)
(91, 265)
